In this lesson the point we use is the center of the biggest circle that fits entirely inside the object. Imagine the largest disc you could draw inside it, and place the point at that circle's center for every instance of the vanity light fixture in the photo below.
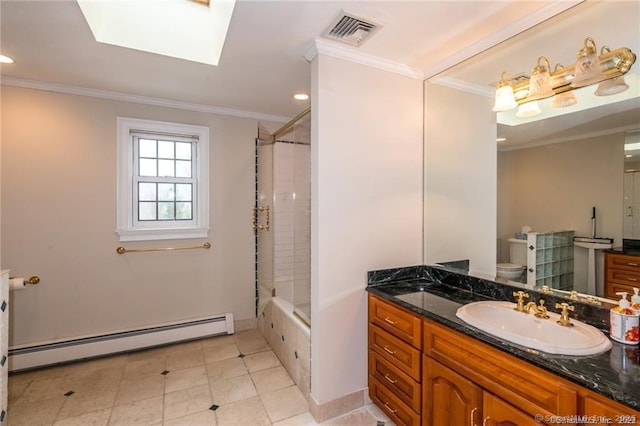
(540, 81)
(505, 99)
(528, 109)
(589, 69)
(565, 99)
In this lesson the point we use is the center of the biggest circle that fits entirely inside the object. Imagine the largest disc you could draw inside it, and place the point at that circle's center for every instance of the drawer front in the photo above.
(527, 387)
(396, 351)
(402, 324)
(622, 276)
(399, 383)
(621, 261)
(611, 288)
(393, 407)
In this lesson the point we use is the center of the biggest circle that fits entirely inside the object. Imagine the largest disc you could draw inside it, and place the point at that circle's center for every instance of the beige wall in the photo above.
(460, 178)
(59, 218)
(554, 187)
(366, 177)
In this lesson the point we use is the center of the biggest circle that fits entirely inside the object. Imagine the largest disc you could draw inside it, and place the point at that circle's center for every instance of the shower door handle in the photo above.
(256, 218)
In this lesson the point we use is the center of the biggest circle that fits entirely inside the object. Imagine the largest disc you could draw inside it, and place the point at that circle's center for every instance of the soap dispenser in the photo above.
(624, 322)
(635, 300)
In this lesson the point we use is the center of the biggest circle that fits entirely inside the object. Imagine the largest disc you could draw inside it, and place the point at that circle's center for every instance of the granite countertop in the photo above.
(614, 374)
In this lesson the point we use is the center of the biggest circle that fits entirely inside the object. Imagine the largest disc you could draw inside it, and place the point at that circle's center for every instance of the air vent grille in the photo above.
(351, 30)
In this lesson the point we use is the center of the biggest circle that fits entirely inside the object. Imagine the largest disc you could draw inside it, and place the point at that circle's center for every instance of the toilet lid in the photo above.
(509, 266)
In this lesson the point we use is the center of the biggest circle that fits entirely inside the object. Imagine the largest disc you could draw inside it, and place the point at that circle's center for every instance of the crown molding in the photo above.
(126, 97)
(465, 86)
(350, 54)
(550, 10)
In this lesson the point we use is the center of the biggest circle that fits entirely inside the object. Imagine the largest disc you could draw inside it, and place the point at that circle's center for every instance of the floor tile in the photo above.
(186, 378)
(185, 359)
(86, 401)
(94, 418)
(261, 361)
(251, 341)
(305, 419)
(233, 389)
(138, 389)
(34, 413)
(271, 379)
(139, 367)
(187, 401)
(202, 418)
(284, 403)
(226, 369)
(218, 353)
(145, 412)
(243, 413)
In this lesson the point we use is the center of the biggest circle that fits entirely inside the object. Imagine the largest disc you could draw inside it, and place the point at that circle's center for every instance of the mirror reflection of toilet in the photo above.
(517, 260)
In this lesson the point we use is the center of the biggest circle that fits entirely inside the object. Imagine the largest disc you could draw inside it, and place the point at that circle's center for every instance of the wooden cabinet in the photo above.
(424, 373)
(395, 367)
(622, 273)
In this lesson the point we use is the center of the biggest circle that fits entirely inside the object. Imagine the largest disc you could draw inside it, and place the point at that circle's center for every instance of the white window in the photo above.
(163, 180)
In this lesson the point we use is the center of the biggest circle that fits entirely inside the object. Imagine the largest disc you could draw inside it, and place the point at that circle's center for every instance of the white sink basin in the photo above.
(501, 320)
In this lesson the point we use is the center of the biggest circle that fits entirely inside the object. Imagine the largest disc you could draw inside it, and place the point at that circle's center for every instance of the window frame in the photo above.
(128, 228)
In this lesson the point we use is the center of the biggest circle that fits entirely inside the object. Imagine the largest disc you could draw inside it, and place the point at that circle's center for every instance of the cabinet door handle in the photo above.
(389, 321)
(632, 279)
(390, 380)
(485, 420)
(389, 351)
(473, 415)
(386, 404)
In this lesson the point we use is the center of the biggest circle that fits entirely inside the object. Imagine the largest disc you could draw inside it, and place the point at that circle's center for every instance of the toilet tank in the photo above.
(518, 251)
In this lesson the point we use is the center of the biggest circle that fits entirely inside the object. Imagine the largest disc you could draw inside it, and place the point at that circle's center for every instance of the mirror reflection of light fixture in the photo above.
(528, 109)
(587, 68)
(565, 99)
(540, 81)
(505, 99)
(613, 85)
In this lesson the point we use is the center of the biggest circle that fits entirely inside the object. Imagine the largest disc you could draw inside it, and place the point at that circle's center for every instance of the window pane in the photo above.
(165, 168)
(183, 192)
(146, 211)
(183, 211)
(166, 211)
(147, 168)
(165, 149)
(183, 168)
(183, 150)
(147, 191)
(147, 148)
(166, 192)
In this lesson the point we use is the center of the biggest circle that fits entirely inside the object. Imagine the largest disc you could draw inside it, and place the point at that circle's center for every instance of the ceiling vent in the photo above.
(351, 30)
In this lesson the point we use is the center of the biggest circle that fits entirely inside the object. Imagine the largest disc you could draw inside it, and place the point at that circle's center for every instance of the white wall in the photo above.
(59, 218)
(366, 165)
(460, 178)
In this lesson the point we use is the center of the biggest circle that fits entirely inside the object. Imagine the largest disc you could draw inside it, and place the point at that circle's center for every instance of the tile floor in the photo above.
(224, 380)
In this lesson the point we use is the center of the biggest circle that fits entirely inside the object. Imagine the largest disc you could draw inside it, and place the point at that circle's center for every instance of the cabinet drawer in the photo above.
(393, 407)
(401, 384)
(622, 261)
(623, 276)
(527, 387)
(593, 404)
(611, 288)
(402, 324)
(394, 350)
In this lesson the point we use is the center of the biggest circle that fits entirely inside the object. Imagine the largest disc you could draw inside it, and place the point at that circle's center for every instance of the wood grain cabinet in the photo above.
(424, 373)
(622, 273)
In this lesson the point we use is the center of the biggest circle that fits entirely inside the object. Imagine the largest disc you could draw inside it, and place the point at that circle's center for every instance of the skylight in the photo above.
(178, 28)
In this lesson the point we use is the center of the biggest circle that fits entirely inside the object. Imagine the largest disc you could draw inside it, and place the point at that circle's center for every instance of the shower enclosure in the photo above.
(282, 216)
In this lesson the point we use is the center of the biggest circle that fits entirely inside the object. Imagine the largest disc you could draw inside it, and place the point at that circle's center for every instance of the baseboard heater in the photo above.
(55, 352)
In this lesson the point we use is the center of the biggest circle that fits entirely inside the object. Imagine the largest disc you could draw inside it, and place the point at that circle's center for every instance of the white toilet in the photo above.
(517, 259)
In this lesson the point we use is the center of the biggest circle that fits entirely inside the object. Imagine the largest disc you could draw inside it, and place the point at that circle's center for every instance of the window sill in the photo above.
(161, 234)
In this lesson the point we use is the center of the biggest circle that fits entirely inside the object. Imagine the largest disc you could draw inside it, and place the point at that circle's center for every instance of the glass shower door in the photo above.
(262, 218)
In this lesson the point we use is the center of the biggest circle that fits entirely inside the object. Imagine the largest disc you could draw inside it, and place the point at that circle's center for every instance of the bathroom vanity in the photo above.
(427, 367)
(621, 272)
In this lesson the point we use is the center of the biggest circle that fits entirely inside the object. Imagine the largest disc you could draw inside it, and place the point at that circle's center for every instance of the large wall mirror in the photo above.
(554, 169)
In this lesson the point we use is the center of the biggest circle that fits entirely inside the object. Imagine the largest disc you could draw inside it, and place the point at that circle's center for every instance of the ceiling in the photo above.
(263, 60)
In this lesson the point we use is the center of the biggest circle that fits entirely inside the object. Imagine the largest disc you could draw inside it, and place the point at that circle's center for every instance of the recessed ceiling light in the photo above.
(300, 96)
(501, 139)
(5, 59)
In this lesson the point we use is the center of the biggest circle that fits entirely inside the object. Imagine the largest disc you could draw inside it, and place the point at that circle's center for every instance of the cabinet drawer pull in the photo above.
(473, 415)
(389, 321)
(389, 351)
(632, 279)
(386, 404)
(390, 380)
(631, 264)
